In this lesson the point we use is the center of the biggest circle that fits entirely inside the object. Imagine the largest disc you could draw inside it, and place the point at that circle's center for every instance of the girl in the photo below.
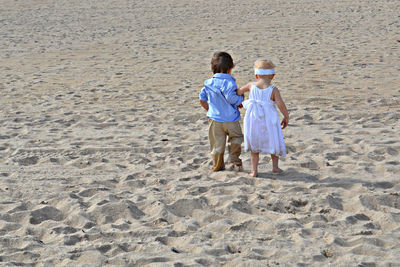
(262, 128)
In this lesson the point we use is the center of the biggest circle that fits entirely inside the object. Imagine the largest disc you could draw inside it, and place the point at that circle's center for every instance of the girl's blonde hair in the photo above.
(264, 64)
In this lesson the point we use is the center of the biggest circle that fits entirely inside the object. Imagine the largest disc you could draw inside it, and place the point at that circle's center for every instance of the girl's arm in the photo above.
(276, 96)
(243, 89)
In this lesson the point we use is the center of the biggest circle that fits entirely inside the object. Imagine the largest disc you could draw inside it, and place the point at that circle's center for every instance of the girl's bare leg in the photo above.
(275, 162)
(254, 157)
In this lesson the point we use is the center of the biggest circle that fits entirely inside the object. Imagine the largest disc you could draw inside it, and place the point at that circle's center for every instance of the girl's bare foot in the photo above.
(254, 174)
(277, 171)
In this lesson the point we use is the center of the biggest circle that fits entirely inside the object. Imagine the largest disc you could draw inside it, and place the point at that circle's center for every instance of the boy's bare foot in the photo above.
(239, 168)
(277, 171)
(253, 174)
(235, 167)
(217, 170)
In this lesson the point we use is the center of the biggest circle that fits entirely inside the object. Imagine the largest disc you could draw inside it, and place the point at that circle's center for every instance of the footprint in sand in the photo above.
(185, 207)
(28, 161)
(46, 213)
(376, 202)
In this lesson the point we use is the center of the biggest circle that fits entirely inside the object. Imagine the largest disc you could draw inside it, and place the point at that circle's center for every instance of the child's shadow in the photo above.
(291, 175)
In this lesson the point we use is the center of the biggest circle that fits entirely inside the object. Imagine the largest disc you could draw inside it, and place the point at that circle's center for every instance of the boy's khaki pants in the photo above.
(217, 133)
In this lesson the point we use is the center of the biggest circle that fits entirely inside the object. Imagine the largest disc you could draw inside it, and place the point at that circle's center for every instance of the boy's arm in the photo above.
(203, 99)
(243, 89)
(231, 96)
(276, 96)
(204, 104)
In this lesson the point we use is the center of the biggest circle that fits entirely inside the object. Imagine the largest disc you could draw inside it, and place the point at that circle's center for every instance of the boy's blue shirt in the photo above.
(220, 93)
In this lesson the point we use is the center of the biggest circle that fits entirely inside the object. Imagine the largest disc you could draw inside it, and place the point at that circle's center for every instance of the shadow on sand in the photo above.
(292, 175)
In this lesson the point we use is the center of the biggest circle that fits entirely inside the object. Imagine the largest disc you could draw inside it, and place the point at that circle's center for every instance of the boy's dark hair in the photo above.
(221, 62)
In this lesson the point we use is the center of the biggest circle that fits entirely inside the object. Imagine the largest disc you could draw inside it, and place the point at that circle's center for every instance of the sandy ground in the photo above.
(104, 157)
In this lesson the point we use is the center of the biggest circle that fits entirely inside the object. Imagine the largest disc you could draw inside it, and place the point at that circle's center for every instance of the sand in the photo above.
(104, 157)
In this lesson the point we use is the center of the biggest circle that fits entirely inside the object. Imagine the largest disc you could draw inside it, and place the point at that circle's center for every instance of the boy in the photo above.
(218, 97)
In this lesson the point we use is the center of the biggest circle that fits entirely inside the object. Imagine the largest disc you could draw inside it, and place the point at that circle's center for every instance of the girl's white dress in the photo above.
(262, 128)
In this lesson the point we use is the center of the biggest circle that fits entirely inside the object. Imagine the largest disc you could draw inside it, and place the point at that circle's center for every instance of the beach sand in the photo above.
(104, 156)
